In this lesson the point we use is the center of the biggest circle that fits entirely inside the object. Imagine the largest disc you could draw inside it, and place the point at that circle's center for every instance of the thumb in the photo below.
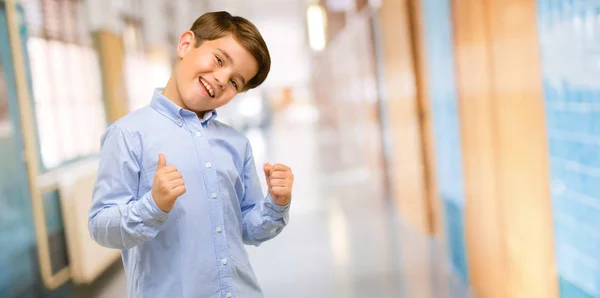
(267, 168)
(162, 161)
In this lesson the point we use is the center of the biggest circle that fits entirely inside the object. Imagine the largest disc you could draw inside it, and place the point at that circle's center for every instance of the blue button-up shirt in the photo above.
(197, 249)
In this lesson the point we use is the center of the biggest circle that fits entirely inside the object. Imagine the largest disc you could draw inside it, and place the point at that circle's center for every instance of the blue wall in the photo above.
(570, 47)
(443, 96)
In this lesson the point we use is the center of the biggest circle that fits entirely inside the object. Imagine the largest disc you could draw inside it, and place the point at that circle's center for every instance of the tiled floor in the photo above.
(343, 239)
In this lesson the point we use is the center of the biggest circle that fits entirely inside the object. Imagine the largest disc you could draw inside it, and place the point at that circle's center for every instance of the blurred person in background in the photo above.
(177, 190)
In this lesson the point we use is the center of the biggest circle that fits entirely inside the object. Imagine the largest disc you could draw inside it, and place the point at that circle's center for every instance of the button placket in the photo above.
(215, 204)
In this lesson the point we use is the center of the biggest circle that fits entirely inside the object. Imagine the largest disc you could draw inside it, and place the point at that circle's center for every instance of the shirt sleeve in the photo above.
(119, 218)
(262, 219)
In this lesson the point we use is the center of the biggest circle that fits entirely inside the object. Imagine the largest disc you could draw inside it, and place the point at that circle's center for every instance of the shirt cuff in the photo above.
(271, 205)
(150, 210)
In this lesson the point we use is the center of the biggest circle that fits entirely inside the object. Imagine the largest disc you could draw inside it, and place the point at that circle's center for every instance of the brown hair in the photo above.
(214, 25)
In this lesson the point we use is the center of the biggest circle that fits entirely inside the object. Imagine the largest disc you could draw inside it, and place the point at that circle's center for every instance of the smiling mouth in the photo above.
(208, 88)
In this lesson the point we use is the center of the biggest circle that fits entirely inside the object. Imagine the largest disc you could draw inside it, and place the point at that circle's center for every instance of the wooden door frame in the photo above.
(432, 199)
(404, 44)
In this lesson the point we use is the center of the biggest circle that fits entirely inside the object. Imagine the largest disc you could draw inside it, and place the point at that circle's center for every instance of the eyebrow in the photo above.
(231, 61)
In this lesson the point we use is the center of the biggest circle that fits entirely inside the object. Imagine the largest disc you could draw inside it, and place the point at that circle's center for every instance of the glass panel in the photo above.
(77, 95)
(66, 78)
(38, 60)
(96, 123)
(47, 132)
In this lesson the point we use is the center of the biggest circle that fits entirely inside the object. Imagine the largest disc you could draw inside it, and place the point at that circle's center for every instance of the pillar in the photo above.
(508, 208)
(401, 103)
(107, 31)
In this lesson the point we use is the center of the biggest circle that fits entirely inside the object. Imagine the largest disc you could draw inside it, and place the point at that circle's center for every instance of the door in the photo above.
(19, 267)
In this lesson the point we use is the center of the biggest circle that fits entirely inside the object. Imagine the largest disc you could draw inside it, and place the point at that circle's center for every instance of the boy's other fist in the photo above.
(280, 181)
(168, 185)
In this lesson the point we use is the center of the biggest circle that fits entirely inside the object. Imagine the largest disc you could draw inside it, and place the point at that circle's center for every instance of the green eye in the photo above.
(235, 85)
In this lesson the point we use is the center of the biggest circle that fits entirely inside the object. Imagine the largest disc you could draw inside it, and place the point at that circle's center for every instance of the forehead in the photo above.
(243, 63)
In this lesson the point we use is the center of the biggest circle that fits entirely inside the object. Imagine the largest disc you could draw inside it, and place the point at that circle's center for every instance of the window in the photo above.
(66, 82)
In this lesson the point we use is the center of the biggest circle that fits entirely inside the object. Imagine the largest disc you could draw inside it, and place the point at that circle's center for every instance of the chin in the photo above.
(194, 107)
(192, 102)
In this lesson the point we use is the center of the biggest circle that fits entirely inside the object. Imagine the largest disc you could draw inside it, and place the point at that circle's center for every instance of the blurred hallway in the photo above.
(343, 240)
(440, 148)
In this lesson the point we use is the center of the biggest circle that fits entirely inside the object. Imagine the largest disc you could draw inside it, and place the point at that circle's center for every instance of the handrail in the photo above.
(51, 281)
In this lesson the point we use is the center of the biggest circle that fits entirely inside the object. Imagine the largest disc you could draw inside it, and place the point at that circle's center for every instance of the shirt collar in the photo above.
(174, 112)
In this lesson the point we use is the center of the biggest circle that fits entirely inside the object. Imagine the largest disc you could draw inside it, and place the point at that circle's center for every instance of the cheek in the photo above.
(197, 66)
(184, 73)
(227, 96)
(205, 65)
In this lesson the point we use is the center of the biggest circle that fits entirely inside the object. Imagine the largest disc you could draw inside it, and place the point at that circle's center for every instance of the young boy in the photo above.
(177, 191)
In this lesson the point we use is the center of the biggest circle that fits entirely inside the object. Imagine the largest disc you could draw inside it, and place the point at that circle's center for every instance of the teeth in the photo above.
(207, 86)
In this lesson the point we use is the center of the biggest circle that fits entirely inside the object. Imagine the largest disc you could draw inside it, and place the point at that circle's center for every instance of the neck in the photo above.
(172, 93)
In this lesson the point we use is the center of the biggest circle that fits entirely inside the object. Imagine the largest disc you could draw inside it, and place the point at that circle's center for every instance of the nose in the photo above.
(221, 78)
(218, 81)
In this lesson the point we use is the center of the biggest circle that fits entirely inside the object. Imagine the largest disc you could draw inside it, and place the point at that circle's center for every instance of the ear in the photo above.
(187, 41)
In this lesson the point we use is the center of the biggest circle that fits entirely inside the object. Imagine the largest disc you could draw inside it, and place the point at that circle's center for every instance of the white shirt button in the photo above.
(208, 165)
(198, 134)
(219, 229)
(229, 295)
(224, 261)
(269, 205)
(178, 120)
(213, 195)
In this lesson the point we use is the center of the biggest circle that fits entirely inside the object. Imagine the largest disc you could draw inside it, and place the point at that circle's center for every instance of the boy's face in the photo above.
(210, 75)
